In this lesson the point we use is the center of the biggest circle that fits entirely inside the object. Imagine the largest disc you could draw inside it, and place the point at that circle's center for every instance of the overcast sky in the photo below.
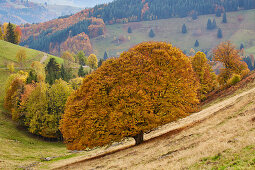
(77, 3)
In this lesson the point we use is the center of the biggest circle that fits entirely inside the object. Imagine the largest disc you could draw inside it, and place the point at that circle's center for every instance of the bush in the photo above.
(234, 79)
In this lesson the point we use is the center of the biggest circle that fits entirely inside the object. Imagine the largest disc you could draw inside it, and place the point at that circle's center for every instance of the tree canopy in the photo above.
(150, 85)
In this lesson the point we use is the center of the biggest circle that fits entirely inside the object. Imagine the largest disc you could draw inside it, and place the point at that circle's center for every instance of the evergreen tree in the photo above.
(52, 71)
(105, 56)
(218, 13)
(10, 34)
(184, 29)
(194, 15)
(130, 30)
(63, 73)
(224, 19)
(151, 33)
(214, 25)
(32, 77)
(219, 34)
(196, 43)
(241, 46)
(100, 62)
(81, 72)
(209, 24)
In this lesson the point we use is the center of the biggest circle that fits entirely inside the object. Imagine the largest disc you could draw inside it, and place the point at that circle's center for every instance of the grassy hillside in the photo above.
(239, 29)
(8, 53)
(20, 148)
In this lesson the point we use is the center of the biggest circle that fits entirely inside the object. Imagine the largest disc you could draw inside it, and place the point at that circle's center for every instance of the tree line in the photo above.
(136, 10)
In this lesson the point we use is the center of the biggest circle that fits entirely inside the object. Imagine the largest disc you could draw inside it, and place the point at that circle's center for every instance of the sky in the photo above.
(77, 3)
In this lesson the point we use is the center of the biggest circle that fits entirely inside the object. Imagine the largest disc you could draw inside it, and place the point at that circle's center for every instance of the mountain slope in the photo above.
(21, 12)
(240, 27)
(221, 135)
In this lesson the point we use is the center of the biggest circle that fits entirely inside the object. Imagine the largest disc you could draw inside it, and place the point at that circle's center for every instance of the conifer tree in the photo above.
(209, 24)
(218, 13)
(129, 30)
(105, 56)
(151, 33)
(10, 34)
(219, 33)
(100, 62)
(196, 43)
(32, 77)
(224, 19)
(184, 29)
(241, 46)
(81, 72)
(52, 71)
(214, 25)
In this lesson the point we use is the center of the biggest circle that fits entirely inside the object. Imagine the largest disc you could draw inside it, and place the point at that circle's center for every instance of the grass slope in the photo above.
(170, 30)
(8, 53)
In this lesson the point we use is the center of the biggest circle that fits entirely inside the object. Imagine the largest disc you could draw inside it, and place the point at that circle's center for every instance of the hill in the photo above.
(21, 12)
(238, 29)
(8, 53)
(76, 3)
(55, 36)
(221, 136)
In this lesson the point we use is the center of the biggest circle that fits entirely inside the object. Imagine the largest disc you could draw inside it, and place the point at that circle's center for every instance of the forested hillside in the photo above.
(52, 35)
(21, 11)
(122, 11)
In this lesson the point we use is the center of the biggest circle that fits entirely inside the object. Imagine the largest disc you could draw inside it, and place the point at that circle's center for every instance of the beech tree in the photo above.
(150, 85)
(228, 55)
(205, 74)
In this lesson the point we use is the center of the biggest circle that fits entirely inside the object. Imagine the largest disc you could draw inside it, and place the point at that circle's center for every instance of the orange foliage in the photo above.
(80, 42)
(232, 62)
(145, 8)
(148, 86)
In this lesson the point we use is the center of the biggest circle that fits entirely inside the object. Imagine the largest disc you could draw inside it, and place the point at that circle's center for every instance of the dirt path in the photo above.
(182, 143)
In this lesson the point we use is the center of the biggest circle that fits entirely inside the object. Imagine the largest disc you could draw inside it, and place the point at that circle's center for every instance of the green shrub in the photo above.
(234, 79)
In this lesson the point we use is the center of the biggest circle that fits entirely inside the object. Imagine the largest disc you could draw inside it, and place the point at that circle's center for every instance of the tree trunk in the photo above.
(138, 138)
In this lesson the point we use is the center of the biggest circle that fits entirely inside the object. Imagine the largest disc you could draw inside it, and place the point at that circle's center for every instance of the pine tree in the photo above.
(214, 25)
(184, 29)
(219, 34)
(130, 30)
(81, 72)
(194, 15)
(52, 71)
(151, 33)
(241, 46)
(196, 43)
(105, 56)
(32, 77)
(224, 19)
(100, 62)
(10, 35)
(209, 24)
(218, 13)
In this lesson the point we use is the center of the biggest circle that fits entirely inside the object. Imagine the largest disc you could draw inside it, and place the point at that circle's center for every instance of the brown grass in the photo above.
(224, 126)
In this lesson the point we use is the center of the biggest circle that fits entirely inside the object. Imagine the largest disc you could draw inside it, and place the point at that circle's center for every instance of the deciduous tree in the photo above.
(150, 85)
(21, 56)
(92, 61)
(205, 74)
(228, 55)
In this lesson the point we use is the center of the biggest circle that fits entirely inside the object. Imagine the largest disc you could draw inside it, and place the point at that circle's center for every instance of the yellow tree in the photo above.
(68, 56)
(39, 70)
(92, 61)
(205, 74)
(150, 85)
(228, 55)
(21, 56)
